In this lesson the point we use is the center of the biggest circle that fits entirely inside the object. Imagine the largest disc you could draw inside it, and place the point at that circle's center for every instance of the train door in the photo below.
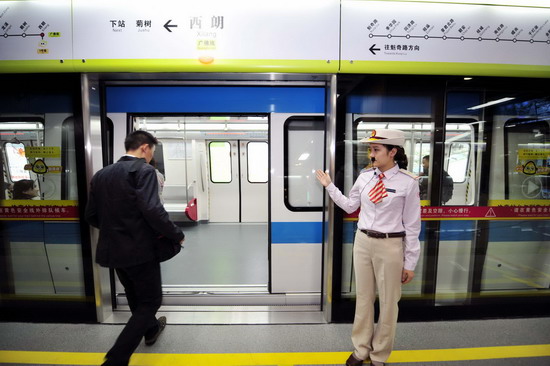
(296, 204)
(238, 180)
(225, 181)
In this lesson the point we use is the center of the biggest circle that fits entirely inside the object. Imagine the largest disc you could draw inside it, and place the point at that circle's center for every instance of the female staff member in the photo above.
(389, 218)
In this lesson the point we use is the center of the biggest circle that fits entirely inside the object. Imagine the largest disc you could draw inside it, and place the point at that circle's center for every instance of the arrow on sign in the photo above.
(168, 25)
(372, 49)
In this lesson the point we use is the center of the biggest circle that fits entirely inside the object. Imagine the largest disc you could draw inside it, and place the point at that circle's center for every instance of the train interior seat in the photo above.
(175, 201)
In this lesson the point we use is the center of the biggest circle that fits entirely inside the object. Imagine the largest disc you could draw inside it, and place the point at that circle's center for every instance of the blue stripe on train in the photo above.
(215, 99)
(39, 231)
(296, 232)
(24, 231)
(524, 230)
(62, 233)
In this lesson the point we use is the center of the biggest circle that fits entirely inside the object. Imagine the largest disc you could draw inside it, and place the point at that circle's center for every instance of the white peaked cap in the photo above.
(386, 137)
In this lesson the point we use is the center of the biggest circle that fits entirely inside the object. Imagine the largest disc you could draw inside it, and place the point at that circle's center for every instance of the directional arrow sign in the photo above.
(372, 49)
(168, 25)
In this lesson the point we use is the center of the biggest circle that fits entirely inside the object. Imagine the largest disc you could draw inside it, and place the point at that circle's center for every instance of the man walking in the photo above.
(124, 204)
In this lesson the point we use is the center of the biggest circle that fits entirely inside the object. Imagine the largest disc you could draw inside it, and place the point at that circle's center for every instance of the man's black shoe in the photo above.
(162, 324)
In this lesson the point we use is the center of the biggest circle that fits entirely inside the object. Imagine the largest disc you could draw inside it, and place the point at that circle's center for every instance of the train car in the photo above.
(242, 127)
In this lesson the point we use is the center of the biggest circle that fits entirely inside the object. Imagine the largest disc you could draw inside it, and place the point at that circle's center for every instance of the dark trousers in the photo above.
(142, 284)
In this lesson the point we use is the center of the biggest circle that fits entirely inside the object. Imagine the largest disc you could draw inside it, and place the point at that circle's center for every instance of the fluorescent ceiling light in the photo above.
(414, 126)
(204, 126)
(304, 156)
(207, 127)
(21, 126)
(493, 102)
(247, 126)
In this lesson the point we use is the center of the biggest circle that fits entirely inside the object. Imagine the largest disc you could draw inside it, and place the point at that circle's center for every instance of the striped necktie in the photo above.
(378, 191)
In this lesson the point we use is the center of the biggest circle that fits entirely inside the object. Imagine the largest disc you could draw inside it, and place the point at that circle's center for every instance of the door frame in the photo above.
(94, 115)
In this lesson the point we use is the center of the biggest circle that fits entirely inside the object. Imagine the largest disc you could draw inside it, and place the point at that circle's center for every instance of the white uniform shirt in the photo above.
(398, 212)
(160, 179)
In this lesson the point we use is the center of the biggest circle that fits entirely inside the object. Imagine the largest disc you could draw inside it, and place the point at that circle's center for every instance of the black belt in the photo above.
(379, 235)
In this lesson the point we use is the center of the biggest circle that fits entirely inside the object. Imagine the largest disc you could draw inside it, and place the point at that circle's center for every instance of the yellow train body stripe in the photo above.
(444, 68)
(257, 359)
(260, 65)
(519, 203)
(171, 65)
(34, 66)
(38, 203)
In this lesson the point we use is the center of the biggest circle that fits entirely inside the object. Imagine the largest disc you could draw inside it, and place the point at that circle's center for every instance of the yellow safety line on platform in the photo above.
(257, 359)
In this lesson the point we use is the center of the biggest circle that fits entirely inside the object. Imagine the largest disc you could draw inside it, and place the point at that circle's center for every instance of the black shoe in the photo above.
(352, 361)
(162, 324)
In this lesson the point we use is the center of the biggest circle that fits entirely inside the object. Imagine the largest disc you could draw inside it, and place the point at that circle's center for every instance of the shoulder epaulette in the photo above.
(406, 172)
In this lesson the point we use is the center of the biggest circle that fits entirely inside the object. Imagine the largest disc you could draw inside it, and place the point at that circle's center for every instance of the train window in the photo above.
(458, 161)
(422, 150)
(527, 158)
(69, 184)
(304, 144)
(257, 161)
(17, 135)
(220, 161)
(457, 185)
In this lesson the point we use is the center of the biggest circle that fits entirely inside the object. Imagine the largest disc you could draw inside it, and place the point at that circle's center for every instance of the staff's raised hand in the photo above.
(323, 177)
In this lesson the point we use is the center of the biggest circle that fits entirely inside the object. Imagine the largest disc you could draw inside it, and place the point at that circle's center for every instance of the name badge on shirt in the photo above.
(390, 190)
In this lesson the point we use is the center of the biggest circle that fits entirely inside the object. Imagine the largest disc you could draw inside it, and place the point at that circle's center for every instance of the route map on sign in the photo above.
(395, 31)
(35, 30)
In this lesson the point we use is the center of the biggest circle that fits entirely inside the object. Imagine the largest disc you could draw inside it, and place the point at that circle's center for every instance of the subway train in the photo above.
(238, 149)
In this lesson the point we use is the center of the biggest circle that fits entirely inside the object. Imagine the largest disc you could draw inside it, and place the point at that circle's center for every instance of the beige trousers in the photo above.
(378, 265)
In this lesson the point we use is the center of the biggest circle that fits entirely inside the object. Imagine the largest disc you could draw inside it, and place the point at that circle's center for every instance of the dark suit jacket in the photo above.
(124, 204)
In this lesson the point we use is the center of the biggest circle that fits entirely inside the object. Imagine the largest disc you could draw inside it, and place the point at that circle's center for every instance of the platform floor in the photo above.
(495, 342)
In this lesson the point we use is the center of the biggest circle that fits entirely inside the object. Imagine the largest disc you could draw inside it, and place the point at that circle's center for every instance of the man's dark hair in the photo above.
(137, 138)
(427, 157)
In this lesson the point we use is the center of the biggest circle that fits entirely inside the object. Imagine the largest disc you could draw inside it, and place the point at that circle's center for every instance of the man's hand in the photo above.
(323, 177)
(406, 276)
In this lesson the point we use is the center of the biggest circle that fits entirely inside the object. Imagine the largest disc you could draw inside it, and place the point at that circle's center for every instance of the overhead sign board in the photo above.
(403, 37)
(316, 36)
(210, 35)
